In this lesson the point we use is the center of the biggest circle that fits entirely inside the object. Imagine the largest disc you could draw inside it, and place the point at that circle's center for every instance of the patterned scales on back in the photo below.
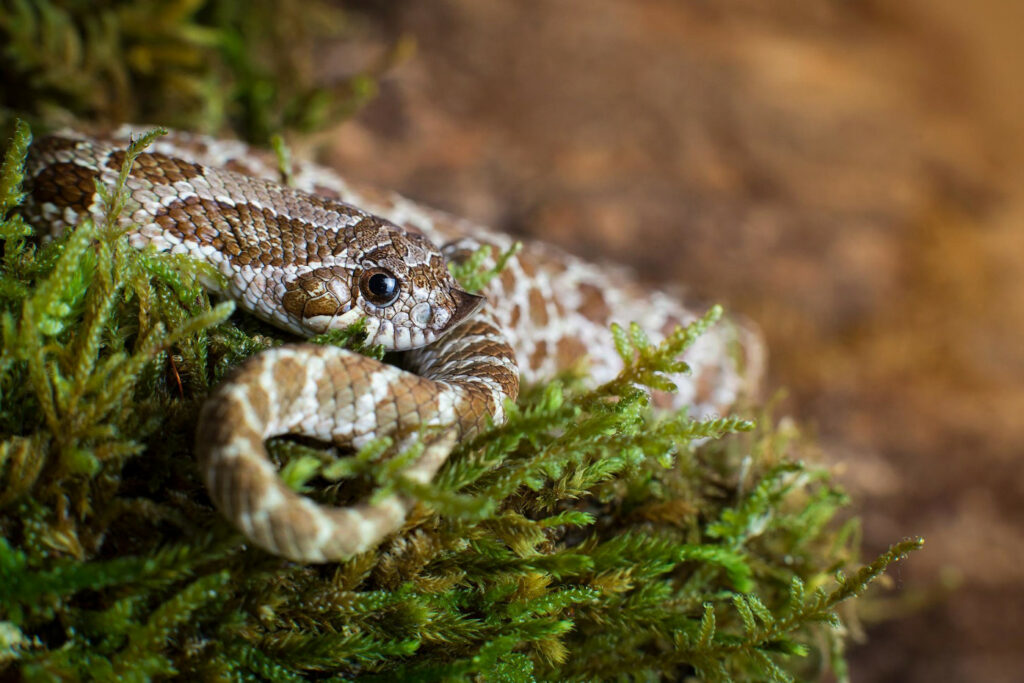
(306, 259)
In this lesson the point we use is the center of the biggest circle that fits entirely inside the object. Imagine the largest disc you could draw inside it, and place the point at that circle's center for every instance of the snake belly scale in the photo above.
(323, 253)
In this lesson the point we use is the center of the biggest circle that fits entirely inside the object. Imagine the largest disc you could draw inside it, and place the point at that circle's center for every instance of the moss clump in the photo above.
(586, 538)
(204, 65)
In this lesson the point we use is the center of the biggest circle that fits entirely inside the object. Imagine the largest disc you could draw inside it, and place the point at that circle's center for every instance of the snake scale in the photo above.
(319, 254)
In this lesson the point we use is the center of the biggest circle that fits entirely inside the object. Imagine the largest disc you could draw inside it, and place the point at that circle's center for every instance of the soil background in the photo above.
(847, 174)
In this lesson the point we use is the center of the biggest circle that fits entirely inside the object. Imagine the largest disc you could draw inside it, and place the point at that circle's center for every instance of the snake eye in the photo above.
(379, 286)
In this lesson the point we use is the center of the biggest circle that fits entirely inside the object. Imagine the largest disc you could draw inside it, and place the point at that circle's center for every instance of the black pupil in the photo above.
(382, 286)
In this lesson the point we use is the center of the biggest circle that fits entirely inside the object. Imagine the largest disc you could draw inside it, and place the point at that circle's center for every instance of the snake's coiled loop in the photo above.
(338, 396)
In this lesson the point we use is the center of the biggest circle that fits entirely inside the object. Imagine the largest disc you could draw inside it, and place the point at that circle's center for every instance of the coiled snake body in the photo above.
(320, 254)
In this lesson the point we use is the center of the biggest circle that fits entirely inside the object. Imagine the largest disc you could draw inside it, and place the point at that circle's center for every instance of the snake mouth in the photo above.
(466, 304)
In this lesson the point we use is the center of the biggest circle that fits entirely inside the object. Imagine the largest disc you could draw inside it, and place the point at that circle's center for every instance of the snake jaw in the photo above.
(402, 333)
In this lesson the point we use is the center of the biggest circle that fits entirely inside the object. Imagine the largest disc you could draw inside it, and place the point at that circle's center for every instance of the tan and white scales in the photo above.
(321, 253)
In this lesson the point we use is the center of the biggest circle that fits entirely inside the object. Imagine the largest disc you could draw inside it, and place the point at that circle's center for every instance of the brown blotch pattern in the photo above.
(538, 308)
(156, 168)
(592, 304)
(540, 352)
(569, 350)
(51, 144)
(514, 316)
(65, 185)
(380, 199)
(238, 166)
(289, 376)
(248, 235)
(508, 280)
(326, 192)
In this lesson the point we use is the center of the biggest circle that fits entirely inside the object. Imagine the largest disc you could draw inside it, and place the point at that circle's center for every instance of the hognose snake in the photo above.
(306, 259)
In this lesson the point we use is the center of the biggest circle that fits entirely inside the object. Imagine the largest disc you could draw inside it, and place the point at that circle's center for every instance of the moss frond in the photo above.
(478, 268)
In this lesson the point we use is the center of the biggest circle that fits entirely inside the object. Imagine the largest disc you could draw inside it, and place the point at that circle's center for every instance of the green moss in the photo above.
(586, 538)
(205, 65)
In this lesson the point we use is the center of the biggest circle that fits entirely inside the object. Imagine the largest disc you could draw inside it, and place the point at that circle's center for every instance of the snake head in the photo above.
(397, 283)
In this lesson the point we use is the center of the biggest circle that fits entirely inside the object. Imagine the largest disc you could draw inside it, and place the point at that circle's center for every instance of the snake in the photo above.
(314, 252)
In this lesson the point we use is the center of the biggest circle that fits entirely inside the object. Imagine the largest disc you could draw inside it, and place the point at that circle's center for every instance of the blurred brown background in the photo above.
(846, 173)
